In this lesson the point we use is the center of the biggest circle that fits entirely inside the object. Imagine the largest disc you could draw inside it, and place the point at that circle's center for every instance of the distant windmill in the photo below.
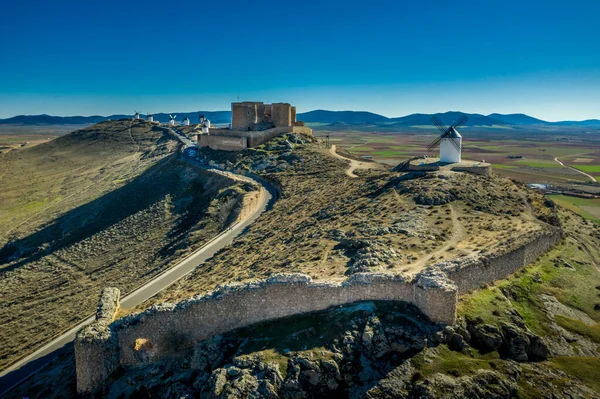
(149, 117)
(204, 123)
(186, 121)
(172, 120)
(450, 141)
(137, 115)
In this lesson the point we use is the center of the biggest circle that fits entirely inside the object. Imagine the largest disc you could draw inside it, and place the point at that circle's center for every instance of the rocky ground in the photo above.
(329, 225)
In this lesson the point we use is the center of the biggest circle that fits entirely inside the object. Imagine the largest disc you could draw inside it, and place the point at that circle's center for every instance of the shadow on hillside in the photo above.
(155, 184)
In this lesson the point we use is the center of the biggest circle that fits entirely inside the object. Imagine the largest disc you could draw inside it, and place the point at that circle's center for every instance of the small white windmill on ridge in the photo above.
(450, 141)
(186, 121)
(149, 117)
(172, 120)
(137, 115)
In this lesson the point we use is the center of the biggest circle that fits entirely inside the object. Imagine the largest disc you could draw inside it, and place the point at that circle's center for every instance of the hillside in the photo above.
(109, 204)
(519, 338)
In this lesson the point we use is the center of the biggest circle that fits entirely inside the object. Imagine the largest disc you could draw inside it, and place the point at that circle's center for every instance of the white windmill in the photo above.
(204, 123)
(186, 121)
(150, 117)
(137, 115)
(172, 120)
(450, 141)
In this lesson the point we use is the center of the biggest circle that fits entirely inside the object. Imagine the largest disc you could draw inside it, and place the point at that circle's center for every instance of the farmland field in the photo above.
(528, 156)
(588, 208)
(12, 136)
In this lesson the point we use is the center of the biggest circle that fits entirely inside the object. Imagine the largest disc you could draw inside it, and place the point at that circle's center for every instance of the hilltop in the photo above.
(109, 204)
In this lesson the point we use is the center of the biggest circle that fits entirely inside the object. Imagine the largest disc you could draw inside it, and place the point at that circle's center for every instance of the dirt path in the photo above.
(354, 164)
(458, 232)
(592, 178)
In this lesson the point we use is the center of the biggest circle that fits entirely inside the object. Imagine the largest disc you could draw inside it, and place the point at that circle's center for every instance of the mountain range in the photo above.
(321, 117)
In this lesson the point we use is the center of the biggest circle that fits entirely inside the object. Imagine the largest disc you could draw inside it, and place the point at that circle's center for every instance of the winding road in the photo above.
(31, 364)
(354, 164)
(592, 178)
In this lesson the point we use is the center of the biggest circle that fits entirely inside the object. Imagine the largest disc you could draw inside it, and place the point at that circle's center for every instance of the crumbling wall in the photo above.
(96, 348)
(476, 170)
(469, 274)
(168, 329)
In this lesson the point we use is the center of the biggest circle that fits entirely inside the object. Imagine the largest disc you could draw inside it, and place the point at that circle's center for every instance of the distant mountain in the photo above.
(518, 119)
(585, 123)
(213, 116)
(447, 118)
(349, 117)
(333, 118)
(526, 120)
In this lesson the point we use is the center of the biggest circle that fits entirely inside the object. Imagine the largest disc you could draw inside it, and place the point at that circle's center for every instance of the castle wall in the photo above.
(243, 115)
(225, 143)
(231, 140)
(168, 329)
(293, 116)
(471, 274)
(96, 348)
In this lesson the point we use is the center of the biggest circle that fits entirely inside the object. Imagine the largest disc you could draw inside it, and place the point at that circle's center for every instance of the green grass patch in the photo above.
(503, 166)
(574, 288)
(538, 163)
(588, 168)
(585, 369)
(590, 331)
(575, 204)
(452, 363)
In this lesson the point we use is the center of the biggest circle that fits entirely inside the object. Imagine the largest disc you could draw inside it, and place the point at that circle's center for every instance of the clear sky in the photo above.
(391, 57)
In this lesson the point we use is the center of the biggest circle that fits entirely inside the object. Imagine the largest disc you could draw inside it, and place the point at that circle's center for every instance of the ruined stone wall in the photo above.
(476, 170)
(293, 110)
(167, 329)
(96, 348)
(470, 274)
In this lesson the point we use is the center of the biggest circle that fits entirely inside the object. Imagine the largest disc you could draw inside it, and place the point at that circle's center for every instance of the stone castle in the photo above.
(252, 124)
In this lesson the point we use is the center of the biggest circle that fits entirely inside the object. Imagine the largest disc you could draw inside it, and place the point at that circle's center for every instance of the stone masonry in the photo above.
(166, 329)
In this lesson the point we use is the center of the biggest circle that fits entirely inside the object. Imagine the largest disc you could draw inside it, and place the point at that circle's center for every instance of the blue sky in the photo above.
(389, 57)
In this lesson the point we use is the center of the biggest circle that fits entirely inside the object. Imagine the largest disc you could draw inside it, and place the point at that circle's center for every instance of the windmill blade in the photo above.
(175, 117)
(435, 143)
(443, 129)
(456, 142)
(460, 121)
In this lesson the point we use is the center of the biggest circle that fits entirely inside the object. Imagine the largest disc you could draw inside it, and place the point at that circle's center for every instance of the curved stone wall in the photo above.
(166, 329)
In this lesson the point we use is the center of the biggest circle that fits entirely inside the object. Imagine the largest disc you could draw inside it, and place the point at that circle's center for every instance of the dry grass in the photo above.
(95, 208)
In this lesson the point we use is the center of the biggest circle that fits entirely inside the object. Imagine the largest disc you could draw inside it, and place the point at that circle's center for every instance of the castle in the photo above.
(252, 124)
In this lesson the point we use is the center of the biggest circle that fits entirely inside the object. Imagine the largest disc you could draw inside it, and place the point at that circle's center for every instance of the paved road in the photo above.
(33, 363)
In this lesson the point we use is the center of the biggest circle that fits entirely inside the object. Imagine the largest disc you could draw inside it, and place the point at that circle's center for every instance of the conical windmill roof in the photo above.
(452, 133)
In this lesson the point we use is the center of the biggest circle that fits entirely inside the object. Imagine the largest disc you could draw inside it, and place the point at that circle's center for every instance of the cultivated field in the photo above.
(527, 156)
(20, 136)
